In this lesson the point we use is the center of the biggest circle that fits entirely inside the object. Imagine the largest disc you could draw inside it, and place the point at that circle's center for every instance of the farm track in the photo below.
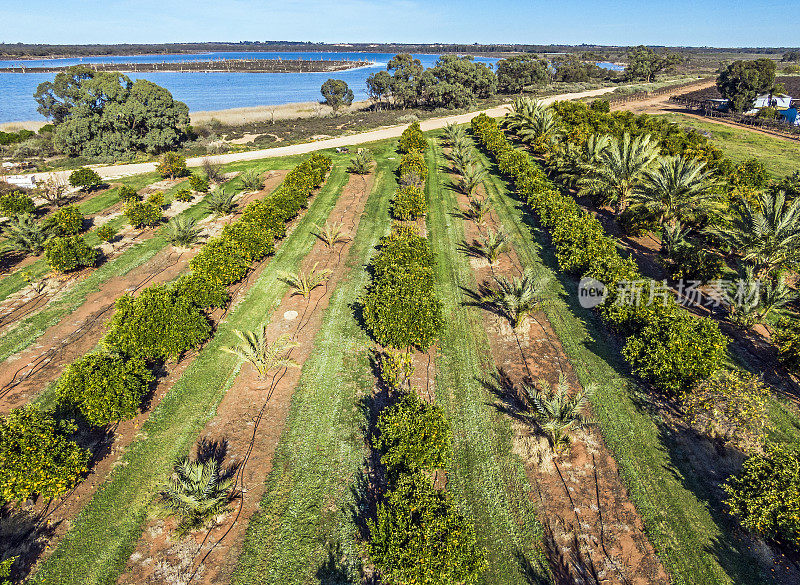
(80, 331)
(250, 420)
(593, 530)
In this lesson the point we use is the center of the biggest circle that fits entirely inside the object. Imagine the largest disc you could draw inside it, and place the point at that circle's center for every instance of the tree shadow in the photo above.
(216, 450)
(333, 571)
(23, 535)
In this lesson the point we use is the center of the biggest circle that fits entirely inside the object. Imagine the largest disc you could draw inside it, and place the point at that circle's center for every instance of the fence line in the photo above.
(707, 108)
(643, 95)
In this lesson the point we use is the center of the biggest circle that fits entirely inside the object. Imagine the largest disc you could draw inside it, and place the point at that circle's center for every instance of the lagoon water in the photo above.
(205, 91)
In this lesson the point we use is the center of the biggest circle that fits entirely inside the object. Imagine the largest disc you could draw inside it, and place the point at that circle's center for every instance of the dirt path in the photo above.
(592, 530)
(27, 373)
(251, 419)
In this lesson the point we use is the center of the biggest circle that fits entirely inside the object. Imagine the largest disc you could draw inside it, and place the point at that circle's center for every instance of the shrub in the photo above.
(67, 221)
(106, 232)
(128, 193)
(156, 325)
(16, 203)
(69, 252)
(198, 183)
(787, 339)
(413, 436)
(84, 178)
(361, 163)
(183, 231)
(412, 138)
(267, 216)
(37, 457)
(143, 214)
(409, 203)
(171, 165)
(731, 407)
(396, 369)
(421, 537)
(184, 195)
(254, 243)
(251, 180)
(676, 351)
(690, 262)
(201, 292)
(104, 387)
(765, 495)
(220, 260)
(413, 162)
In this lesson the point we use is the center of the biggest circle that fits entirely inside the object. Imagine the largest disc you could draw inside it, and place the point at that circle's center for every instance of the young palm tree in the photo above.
(490, 246)
(462, 159)
(220, 203)
(471, 178)
(251, 181)
(523, 110)
(198, 493)
(304, 282)
(620, 169)
(672, 238)
(453, 133)
(752, 300)
(557, 411)
(332, 234)
(477, 210)
(540, 130)
(678, 190)
(25, 234)
(263, 355)
(515, 297)
(361, 163)
(767, 237)
(182, 231)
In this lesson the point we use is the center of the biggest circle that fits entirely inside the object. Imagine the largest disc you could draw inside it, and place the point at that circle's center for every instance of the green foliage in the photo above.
(156, 198)
(396, 369)
(676, 351)
(302, 283)
(412, 138)
(221, 260)
(251, 181)
(254, 242)
(517, 72)
(16, 203)
(413, 436)
(787, 339)
(184, 195)
(361, 163)
(183, 231)
(15, 137)
(157, 325)
(742, 81)
(201, 292)
(171, 165)
(133, 115)
(127, 193)
(413, 162)
(85, 178)
(69, 252)
(220, 202)
(691, 262)
(265, 356)
(37, 457)
(198, 183)
(730, 407)
(645, 64)
(557, 410)
(104, 388)
(765, 495)
(106, 232)
(336, 94)
(143, 214)
(67, 221)
(409, 203)
(750, 173)
(25, 234)
(420, 537)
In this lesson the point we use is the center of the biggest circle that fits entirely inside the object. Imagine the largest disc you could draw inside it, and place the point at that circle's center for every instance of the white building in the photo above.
(779, 101)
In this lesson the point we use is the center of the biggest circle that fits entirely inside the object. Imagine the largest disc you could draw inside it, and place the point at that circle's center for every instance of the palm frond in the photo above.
(255, 348)
(332, 234)
(303, 283)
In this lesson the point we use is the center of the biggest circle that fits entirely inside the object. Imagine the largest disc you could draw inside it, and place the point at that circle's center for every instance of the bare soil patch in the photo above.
(250, 419)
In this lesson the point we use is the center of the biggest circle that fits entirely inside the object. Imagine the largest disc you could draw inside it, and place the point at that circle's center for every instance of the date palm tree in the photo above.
(25, 234)
(303, 283)
(678, 189)
(477, 210)
(331, 234)
(182, 231)
(453, 133)
(767, 236)
(540, 130)
(557, 411)
(620, 169)
(472, 177)
(523, 110)
(574, 161)
(361, 163)
(753, 300)
(220, 203)
(199, 492)
(515, 298)
(251, 181)
(255, 347)
(489, 246)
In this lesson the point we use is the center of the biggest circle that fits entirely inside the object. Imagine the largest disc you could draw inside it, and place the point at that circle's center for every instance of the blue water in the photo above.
(208, 91)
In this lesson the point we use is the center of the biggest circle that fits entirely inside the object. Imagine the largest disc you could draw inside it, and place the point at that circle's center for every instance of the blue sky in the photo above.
(625, 22)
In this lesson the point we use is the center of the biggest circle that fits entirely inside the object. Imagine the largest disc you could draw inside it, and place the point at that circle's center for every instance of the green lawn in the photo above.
(780, 157)
(103, 536)
(694, 541)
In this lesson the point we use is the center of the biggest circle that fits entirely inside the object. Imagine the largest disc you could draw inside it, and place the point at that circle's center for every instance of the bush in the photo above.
(787, 339)
(690, 262)
(413, 163)
(67, 221)
(37, 457)
(104, 388)
(765, 495)
(143, 214)
(184, 195)
(201, 292)
(409, 203)
(676, 351)
(421, 537)
(128, 193)
(220, 261)
(412, 138)
(198, 183)
(156, 325)
(254, 243)
(84, 178)
(16, 203)
(171, 165)
(106, 232)
(156, 198)
(731, 408)
(413, 436)
(69, 252)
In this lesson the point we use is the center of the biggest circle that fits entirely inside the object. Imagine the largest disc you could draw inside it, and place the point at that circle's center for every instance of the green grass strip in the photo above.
(693, 540)
(104, 535)
(307, 510)
(485, 475)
